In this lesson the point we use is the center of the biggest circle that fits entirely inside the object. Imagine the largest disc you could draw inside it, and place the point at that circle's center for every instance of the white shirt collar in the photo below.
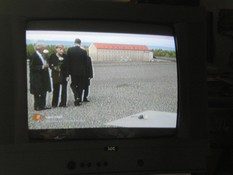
(41, 57)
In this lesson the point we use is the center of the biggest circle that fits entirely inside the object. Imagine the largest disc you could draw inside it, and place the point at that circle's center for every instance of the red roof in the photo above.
(120, 46)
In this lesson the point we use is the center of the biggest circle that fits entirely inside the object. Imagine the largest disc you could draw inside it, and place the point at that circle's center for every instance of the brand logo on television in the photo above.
(111, 148)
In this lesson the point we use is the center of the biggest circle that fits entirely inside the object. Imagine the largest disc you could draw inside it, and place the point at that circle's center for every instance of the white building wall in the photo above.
(93, 52)
(119, 55)
(148, 56)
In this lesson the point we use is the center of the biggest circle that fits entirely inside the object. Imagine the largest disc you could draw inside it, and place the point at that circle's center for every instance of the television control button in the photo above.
(71, 165)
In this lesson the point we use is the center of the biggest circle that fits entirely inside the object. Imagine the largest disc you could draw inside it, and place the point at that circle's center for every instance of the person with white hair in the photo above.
(39, 77)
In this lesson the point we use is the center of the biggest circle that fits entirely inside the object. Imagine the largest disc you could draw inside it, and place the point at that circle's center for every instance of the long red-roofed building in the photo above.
(119, 52)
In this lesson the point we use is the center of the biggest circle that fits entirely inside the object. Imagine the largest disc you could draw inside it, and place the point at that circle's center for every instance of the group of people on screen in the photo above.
(75, 65)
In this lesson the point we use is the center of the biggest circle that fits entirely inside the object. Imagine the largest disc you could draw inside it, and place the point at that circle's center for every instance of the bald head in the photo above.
(40, 47)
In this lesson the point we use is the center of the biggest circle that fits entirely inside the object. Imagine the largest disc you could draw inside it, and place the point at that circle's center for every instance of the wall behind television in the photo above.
(223, 45)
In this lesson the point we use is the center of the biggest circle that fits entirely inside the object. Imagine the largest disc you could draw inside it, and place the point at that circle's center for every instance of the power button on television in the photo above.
(140, 162)
(71, 165)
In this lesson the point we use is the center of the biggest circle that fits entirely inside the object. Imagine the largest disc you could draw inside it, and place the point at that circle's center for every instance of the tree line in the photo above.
(51, 49)
(164, 53)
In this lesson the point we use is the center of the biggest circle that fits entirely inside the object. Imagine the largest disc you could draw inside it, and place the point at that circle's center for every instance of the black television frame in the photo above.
(184, 152)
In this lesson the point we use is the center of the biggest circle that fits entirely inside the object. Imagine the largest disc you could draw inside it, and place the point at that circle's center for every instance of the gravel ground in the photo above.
(117, 91)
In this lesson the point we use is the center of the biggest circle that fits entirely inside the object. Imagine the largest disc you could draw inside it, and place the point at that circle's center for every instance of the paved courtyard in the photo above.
(117, 90)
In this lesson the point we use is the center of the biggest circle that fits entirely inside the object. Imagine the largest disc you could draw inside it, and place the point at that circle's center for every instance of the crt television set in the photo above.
(146, 115)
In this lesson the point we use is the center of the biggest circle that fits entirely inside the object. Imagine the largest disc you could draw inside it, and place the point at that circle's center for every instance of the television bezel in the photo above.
(188, 24)
(185, 152)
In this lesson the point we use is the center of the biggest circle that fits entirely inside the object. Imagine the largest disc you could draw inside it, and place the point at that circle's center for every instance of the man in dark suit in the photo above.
(39, 77)
(77, 63)
(89, 76)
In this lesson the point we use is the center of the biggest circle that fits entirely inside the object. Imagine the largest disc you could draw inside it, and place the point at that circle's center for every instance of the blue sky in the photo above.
(116, 38)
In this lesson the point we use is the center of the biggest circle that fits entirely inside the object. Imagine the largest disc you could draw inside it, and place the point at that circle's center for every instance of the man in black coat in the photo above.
(89, 76)
(39, 77)
(59, 67)
(77, 62)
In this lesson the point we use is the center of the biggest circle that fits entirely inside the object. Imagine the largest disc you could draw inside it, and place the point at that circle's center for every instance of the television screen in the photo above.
(130, 83)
